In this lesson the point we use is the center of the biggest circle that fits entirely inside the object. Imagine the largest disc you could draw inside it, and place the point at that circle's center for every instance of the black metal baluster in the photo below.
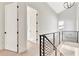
(43, 46)
(40, 46)
(77, 37)
(59, 37)
(53, 40)
(62, 35)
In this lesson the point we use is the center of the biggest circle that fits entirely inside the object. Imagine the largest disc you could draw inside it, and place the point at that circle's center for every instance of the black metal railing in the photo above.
(50, 41)
(46, 46)
(72, 34)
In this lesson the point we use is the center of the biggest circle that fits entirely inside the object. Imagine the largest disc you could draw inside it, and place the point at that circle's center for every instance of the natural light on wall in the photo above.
(61, 25)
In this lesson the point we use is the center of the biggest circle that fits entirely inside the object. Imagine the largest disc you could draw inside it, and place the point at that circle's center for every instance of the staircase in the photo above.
(53, 44)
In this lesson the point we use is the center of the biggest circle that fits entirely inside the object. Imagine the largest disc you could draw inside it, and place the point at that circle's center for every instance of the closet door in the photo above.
(31, 24)
(11, 27)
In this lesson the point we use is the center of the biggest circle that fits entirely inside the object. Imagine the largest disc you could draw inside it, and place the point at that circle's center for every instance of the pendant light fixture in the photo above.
(68, 5)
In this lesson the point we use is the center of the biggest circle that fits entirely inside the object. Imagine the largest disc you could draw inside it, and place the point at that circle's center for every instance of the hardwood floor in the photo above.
(33, 50)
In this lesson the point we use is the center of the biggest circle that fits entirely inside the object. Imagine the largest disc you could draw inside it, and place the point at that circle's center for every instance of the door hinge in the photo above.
(17, 32)
(36, 22)
(37, 14)
(17, 45)
(4, 32)
(17, 19)
(17, 6)
(36, 30)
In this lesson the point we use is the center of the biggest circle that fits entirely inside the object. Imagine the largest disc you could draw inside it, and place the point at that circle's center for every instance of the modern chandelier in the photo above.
(68, 5)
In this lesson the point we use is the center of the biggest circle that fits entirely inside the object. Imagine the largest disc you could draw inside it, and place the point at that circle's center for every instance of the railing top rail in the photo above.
(49, 33)
(58, 32)
(70, 31)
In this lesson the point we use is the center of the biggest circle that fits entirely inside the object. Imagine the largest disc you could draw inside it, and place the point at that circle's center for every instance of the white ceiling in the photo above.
(5, 3)
(57, 6)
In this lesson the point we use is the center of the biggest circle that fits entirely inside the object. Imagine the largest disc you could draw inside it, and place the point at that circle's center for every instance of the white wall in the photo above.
(47, 18)
(2, 25)
(69, 18)
(77, 16)
(22, 26)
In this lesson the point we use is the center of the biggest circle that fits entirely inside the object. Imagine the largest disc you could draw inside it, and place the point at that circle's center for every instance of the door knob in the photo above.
(4, 32)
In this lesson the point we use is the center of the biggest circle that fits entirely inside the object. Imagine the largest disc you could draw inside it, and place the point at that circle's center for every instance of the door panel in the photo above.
(31, 24)
(11, 27)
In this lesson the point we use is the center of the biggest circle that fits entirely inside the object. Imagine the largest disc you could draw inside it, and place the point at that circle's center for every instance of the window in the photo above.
(61, 25)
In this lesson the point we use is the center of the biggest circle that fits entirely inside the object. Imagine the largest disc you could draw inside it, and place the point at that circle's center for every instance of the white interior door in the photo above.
(31, 24)
(11, 27)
